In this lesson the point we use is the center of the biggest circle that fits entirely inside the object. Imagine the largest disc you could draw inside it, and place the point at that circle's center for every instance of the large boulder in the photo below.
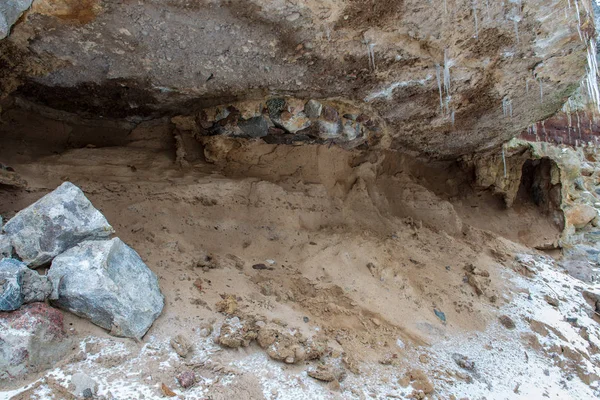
(20, 285)
(31, 339)
(107, 282)
(55, 223)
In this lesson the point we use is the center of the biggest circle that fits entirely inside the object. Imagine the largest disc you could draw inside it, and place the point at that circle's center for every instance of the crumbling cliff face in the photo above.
(447, 78)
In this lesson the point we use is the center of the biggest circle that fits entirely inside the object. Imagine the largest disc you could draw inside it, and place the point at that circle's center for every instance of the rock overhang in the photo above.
(441, 76)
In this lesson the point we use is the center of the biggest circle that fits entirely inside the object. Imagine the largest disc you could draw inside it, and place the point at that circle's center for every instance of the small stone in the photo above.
(261, 267)
(228, 305)
(551, 300)
(376, 322)
(330, 114)
(293, 17)
(507, 322)
(305, 319)
(463, 361)
(325, 373)
(256, 127)
(440, 315)
(181, 345)
(186, 379)
(82, 385)
(313, 109)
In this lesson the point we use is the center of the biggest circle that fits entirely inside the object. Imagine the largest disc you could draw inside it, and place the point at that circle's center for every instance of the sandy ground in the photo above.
(357, 252)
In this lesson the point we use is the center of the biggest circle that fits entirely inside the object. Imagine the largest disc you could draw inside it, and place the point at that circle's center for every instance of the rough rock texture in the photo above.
(83, 385)
(20, 285)
(35, 287)
(107, 282)
(10, 11)
(11, 281)
(53, 224)
(580, 215)
(447, 79)
(31, 339)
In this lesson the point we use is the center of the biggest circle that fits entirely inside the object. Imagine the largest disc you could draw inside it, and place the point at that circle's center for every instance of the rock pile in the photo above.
(283, 121)
(90, 275)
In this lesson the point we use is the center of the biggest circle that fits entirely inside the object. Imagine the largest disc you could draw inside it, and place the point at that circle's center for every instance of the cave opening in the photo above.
(540, 187)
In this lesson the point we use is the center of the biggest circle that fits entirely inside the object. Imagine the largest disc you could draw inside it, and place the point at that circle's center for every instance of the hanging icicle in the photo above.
(504, 161)
(474, 4)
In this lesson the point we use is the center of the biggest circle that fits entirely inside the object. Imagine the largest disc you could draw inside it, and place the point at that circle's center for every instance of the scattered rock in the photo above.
(55, 223)
(35, 287)
(477, 279)
(181, 345)
(281, 345)
(261, 266)
(31, 339)
(186, 379)
(167, 391)
(107, 282)
(256, 127)
(580, 215)
(313, 109)
(418, 380)
(440, 315)
(228, 305)
(463, 361)
(292, 122)
(11, 281)
(83, 386)
(507, 322)
(325, 373)
(235, 333)
(551, 300)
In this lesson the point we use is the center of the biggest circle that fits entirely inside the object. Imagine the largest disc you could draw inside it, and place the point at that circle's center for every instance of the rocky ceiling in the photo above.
(448, 77)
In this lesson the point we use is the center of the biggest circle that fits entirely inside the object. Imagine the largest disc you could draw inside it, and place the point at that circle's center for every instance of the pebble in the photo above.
(507, 322)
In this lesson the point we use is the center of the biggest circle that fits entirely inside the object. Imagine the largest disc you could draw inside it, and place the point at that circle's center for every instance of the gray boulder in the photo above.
(35, 287)
(55, 223)
(10, 11)
(107, 282)
(32, 339)
(20, 285)
(11, 280)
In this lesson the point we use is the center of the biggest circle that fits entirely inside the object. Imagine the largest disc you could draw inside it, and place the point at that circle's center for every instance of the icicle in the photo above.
(569, 1)
(487, 9)
(452, 117)
(474, 4)
(439, 83)
(446, 6)
(371, 54)
(592, 73)
(578, 20)
(516, 22)
(507, 107)
(504, 161)
(541, 91)
(526, 86)
(446, 73)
